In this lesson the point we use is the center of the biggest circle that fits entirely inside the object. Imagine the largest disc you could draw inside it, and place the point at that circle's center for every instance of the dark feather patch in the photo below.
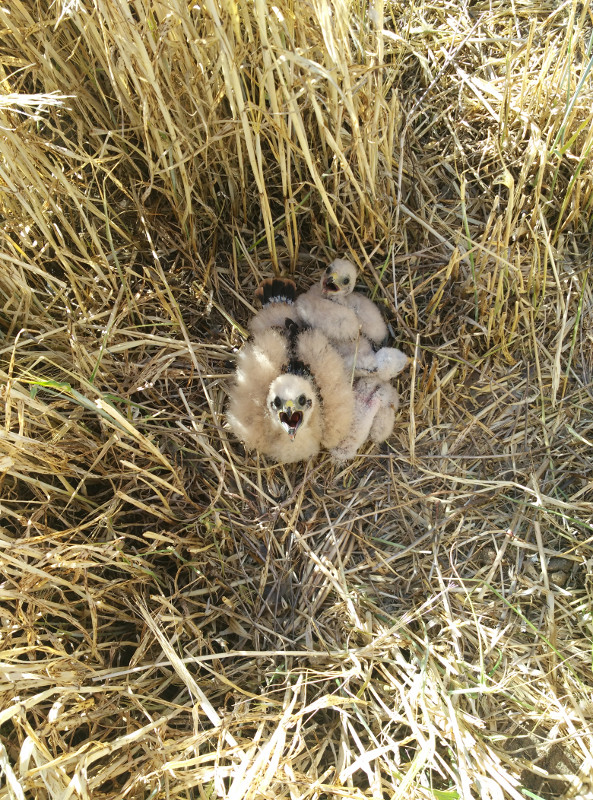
(296, 367)
(276, 290)
(293, 330)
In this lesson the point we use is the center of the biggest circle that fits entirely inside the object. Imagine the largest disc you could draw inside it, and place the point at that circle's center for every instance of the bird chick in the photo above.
(271, 410)
(375, 404)
(323, 306)
(351, 321)
(291, 396)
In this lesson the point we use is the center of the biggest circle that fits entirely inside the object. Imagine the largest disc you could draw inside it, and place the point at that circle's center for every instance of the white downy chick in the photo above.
(351, 321)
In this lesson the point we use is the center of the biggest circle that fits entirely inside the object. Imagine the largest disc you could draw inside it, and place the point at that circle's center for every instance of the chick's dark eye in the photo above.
(346, 281)
(277, 402)
(302, 400)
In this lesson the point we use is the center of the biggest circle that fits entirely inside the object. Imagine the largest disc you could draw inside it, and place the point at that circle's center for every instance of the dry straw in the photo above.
(182, 620)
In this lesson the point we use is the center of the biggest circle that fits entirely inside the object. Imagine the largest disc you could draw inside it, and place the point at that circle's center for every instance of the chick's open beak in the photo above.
(290, 418)
(330, 283)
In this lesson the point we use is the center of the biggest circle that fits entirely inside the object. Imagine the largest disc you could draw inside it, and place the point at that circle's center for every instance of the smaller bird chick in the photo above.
(375, 404)
(351, 321)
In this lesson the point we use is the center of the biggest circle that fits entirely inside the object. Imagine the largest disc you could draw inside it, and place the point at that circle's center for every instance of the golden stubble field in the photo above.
(180, 619)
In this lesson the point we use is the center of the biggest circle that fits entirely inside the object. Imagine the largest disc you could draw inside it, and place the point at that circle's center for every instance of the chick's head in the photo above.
(339, 278)
(290, 402)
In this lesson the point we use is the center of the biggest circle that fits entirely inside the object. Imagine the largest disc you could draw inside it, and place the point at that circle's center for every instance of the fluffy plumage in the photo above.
(351, 321)
(384, 419)
(375, 404)
(324, 306)
(362, 359)
(291, 396)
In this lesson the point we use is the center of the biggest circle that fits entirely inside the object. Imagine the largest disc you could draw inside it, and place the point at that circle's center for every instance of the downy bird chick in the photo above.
(351, 321)
(291, 396)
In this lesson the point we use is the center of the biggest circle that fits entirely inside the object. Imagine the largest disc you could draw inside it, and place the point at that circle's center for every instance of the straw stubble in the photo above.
(183, 620)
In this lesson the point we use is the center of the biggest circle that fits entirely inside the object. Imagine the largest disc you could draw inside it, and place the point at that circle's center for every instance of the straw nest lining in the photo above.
(182, 620)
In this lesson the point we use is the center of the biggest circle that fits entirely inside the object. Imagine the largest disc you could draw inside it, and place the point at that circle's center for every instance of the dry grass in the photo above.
(180, 620)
